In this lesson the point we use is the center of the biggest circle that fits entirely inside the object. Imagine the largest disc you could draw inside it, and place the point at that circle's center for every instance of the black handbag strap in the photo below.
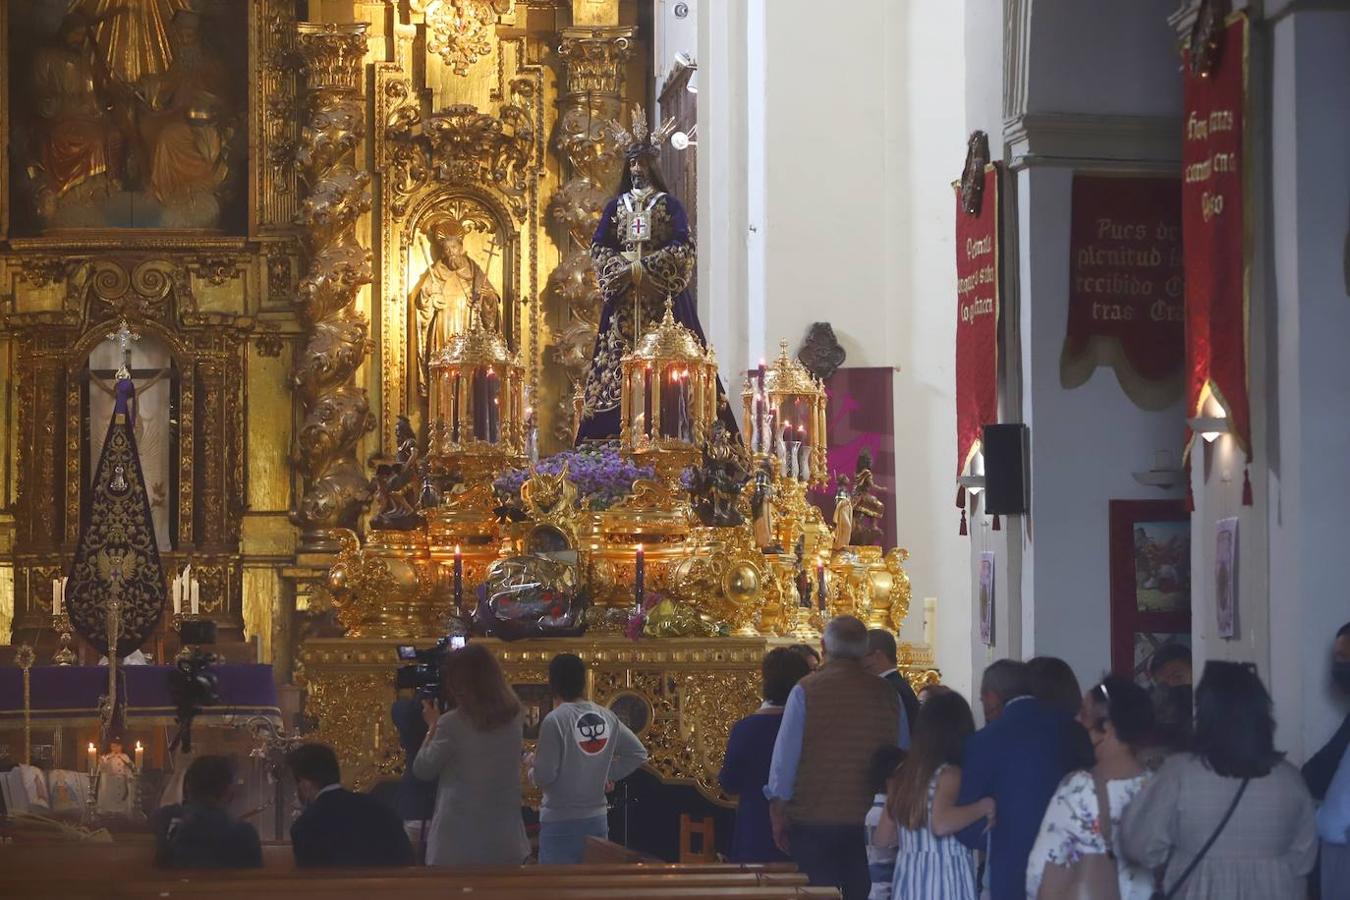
(1209, 843)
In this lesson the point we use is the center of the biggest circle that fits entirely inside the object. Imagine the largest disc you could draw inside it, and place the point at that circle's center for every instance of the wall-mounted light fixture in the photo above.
(1209, 427)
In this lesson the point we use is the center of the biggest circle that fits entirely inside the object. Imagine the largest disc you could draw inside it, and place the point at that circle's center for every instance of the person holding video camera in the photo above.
(473, 752)
(583, 748)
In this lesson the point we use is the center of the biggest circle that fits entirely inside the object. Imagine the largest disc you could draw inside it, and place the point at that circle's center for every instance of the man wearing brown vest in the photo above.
(834, 721)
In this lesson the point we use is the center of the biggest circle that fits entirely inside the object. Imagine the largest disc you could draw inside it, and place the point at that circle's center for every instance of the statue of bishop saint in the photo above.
(450, 296)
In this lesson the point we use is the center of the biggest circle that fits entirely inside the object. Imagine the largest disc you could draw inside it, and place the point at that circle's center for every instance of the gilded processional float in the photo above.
(373, 278)
(666, 547)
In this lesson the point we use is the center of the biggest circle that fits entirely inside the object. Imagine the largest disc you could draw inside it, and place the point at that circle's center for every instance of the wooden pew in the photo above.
(77, 871)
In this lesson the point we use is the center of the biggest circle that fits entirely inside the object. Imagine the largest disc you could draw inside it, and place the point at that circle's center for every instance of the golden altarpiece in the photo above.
(307, 215)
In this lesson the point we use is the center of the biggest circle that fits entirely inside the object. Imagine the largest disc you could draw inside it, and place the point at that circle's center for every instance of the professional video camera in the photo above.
(192, 687)
(423, 673)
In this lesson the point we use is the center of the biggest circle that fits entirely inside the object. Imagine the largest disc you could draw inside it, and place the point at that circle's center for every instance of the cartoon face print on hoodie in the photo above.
(591, 733)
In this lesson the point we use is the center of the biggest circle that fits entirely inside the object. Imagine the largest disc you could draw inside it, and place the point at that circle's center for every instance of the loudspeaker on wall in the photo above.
(1006, 448)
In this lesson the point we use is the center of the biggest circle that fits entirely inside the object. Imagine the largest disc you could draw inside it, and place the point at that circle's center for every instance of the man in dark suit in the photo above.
(1018, 758)
(339, 827)
(881, 659)
(199, 833)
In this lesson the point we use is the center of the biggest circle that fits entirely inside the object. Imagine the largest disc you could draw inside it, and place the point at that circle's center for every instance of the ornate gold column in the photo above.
(337, 411)
(594, 57)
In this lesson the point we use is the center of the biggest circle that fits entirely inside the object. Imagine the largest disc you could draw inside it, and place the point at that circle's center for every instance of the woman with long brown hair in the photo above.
(473, 752)
(923, 817)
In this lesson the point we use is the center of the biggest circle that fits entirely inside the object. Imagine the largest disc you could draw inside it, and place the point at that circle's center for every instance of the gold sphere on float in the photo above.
(741, 583)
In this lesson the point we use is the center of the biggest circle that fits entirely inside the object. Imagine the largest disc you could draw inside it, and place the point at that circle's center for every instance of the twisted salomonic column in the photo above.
(337, 193)
(594, 59)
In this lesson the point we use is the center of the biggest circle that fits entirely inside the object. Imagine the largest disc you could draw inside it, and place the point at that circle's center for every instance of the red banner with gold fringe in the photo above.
(977, 296)
(1214, 226)
(1126, 285)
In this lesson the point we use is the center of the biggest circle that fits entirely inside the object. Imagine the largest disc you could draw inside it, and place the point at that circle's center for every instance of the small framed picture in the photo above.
(1150, 559)
(987, 597)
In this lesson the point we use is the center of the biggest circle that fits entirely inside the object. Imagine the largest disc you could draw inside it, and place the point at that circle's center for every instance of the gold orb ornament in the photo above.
(741, 583)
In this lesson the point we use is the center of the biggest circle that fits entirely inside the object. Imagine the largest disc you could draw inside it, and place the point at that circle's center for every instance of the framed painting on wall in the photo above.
(1150, 564)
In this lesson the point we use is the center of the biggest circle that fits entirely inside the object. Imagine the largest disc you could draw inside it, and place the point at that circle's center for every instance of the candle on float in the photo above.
(459, 578)
(639, 577)
(178, 594)
(140, 756)
(820, 583)
(759, 376)
(194, 586)
(803, 454)
(93, 758)
(56, 596)
(685, 430)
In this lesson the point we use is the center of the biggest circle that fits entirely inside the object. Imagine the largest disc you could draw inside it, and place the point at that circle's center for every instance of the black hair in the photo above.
(781, 669)
(208, 779)
(806, 651)
(884, 763)
(315, 762)
(1053, 681)
(1171, 652)
(1128, 708)
(879, 640)
(1006, 679)
(567, 676)
(1234, 721)
(652, 157)
(1345, 629)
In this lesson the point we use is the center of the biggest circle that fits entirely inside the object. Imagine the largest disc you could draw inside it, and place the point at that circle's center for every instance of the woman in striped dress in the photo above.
(923, 816)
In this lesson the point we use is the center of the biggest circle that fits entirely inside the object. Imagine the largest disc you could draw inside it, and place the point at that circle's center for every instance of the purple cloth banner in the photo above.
(72, 692)
(861, 415)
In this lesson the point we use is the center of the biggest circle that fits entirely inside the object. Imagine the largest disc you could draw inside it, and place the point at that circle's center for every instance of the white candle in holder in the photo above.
(196, 605)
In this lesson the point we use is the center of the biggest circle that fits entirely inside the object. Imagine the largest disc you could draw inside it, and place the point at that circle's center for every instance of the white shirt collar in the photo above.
(888, 672)
(331, 787)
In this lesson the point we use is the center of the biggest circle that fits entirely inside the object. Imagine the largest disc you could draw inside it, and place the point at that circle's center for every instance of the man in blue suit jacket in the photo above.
(1018, 758)
(339, 827)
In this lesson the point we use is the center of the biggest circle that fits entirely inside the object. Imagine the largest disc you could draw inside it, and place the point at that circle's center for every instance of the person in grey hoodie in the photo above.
(582, 749)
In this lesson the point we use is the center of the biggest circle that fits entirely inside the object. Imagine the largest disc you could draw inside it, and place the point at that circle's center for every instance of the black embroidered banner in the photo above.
(117, 553)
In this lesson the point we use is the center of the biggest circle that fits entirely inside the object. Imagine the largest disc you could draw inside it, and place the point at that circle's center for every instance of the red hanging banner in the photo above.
(977, 295)
(1213, 225)
(1125, 286)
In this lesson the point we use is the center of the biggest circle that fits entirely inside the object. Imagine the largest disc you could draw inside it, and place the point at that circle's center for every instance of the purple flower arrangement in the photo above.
(602, 476)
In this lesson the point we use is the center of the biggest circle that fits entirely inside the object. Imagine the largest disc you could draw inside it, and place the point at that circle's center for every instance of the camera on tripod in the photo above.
(192, 687)
(423, 673)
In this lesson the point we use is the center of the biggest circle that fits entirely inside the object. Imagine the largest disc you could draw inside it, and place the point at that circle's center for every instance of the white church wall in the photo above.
(1085, 445)
(859, 121)
(857, 231)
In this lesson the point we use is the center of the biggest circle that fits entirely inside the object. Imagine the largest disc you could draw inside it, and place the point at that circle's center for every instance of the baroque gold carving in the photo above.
(697, 689)
(337, 412)
(460, 31)
(461, 146)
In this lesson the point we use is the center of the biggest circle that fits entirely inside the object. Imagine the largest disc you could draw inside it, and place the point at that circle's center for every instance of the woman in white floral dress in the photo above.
(1119, 718)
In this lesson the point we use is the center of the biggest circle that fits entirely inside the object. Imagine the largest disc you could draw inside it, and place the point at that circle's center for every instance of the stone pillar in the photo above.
(1308, 487)
(337, 411)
